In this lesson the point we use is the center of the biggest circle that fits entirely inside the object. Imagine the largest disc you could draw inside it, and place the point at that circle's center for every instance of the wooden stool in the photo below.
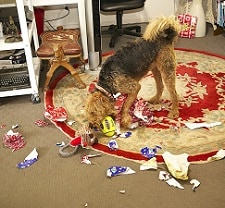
(59, 47)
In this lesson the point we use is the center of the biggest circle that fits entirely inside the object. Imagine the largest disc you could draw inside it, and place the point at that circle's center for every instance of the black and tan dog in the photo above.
(122, 72)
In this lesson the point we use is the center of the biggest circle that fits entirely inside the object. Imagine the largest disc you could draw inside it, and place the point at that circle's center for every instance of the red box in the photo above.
(39, 18)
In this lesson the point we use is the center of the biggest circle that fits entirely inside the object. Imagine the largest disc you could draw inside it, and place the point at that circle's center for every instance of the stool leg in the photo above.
(50, 73)
(74, 73)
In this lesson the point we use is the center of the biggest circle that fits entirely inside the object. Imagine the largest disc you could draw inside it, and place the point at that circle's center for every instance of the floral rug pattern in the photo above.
(201, 87)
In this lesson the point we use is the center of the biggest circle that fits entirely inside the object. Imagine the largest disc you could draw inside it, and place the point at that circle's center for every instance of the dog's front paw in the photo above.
(126, 121)
(173, 114)
(154, 100)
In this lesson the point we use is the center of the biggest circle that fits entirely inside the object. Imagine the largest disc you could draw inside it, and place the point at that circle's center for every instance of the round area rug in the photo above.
(201, 87)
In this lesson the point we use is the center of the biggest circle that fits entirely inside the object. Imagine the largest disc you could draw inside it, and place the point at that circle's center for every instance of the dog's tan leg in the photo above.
(159, 86)
(170, 82)
(174, 113)
(132, 95)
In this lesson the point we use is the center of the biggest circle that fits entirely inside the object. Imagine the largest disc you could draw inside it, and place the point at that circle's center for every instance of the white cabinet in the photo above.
(29, 35)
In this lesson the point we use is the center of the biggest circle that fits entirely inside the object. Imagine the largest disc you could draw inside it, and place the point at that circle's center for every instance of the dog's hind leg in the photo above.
(159, 86)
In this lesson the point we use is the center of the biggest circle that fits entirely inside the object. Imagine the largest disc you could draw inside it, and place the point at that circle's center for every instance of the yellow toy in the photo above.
(108, 126)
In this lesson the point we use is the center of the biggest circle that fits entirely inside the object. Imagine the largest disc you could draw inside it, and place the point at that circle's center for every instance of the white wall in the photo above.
(71, 21)
(152, 9)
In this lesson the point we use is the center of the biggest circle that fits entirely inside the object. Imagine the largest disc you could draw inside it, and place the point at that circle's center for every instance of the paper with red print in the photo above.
(41, 123)
(13, 140)
(55, 114)
(139, 111)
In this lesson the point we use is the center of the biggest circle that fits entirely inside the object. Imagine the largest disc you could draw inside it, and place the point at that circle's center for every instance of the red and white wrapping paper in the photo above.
(139, 111)
(13, 140)
(55, 114)
(188, 23)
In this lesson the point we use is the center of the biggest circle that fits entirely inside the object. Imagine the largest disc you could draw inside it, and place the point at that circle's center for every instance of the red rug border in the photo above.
(198, 158)
(201, 52)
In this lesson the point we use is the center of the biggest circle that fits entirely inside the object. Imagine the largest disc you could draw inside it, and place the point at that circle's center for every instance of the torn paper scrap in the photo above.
(149, 152)
(113, 144)
(15, 126)
(125, 134)
(32, 155)
(29, 160)
(174, 183)
(41, 123)
(195, 184)
(94, 155)
(13, 140)
(177, 165)
(71, 122)
(85, 158)
(62, 144)
(165, 176)
(122, 135)
(218, 156)
(55, 114)
(26, 163)
(123, 191)
(119, 170)
(150, 164)
(202, 125)
(2, 126)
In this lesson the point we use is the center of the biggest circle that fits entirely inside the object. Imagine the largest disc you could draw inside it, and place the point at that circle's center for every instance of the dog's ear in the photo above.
(90, 125)
(163, 34)
(168, 34)
(112, 113)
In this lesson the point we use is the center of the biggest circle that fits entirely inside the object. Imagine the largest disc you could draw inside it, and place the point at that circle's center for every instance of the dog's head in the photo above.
(98, 106)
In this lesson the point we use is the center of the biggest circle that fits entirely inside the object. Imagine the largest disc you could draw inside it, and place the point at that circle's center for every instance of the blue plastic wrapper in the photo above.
(125, 134)
(26, 163)
(116, 170)
(113, 145)
(119, 170)
(148, 152)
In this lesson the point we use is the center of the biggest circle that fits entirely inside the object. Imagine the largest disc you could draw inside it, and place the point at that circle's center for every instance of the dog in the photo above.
(122, 71)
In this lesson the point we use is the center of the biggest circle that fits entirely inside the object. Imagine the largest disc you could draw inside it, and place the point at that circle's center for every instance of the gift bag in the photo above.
(188, 23)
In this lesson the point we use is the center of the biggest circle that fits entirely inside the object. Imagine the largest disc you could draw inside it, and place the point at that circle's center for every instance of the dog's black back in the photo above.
(132, 59)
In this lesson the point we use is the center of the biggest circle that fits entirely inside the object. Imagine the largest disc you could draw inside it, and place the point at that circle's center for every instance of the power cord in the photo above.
(58, 18)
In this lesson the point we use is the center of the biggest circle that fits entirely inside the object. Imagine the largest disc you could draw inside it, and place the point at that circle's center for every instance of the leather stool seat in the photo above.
(58, 47)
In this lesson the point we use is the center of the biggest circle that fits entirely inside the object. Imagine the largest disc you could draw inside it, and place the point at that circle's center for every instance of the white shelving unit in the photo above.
(29, 34)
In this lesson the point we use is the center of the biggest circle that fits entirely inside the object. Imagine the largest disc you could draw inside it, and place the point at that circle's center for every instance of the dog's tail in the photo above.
(162, 29)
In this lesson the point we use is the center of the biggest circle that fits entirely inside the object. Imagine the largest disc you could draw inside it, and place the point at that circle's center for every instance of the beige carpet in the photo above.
(55, 182)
